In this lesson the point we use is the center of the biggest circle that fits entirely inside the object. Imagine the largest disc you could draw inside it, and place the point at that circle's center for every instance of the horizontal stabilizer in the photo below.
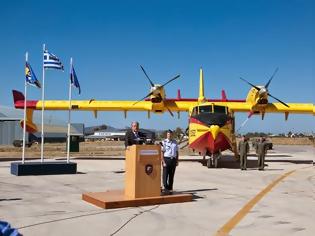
(19, 99)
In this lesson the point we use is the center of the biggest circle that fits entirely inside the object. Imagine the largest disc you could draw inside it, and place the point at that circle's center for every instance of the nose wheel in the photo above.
(213, 161)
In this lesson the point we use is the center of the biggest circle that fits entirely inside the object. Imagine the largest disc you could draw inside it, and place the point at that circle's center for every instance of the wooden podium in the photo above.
(142, 182)
(143, 171)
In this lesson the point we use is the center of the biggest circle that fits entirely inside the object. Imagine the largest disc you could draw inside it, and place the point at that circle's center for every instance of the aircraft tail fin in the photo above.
(201, 97)
(223, 95)
(178, 94)
(17, 97)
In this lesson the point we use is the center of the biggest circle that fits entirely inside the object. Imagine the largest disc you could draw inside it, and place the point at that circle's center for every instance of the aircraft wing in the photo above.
(101, 105)
(300, 108)
(180, 105)
(88, 105)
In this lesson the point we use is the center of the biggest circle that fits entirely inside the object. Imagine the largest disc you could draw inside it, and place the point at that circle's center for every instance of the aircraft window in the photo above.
(194, 111)
(205, 109)
(220, 109)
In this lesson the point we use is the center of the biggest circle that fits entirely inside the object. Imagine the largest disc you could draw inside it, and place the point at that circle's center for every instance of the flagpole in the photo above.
(24, 117)
(69, 115)
(43, 105)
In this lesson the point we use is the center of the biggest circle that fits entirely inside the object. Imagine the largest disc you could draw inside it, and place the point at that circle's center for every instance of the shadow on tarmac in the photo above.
(292, 161)
(230, 163)
(99, 158)
(10, 199)
(16, 159)
(195, 192)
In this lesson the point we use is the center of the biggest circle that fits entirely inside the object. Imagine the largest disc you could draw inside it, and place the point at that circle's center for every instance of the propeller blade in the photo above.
(274, 73)
(185, 133)
(254, 86)
(177, 76)
(278, 100)
(182, 147)
(152, 84)
(169, 110)
(181, 139)
(143, 98)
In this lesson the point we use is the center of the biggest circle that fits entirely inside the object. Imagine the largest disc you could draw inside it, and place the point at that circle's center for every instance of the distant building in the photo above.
(55, 129)
(111, 133)
(10, 128)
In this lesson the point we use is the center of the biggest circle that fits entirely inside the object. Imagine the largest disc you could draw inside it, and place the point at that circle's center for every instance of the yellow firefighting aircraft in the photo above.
(211, 126)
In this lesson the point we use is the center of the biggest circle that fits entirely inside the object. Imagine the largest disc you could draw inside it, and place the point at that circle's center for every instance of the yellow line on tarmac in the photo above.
(225, 229)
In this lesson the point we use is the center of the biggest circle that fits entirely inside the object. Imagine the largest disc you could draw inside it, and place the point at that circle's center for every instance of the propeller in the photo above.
(182, 147)
(152, 84)
(169, 110)
(250, 84)
(274, 73)
(278, 100)
(143, 98)
(177, 76)
(181, 140)
(264, 89)
(155, 87)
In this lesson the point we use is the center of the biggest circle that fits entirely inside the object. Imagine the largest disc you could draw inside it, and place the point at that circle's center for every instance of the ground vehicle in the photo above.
(268, 143)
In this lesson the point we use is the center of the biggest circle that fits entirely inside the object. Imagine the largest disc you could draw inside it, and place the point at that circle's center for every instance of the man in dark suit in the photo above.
(133, 136)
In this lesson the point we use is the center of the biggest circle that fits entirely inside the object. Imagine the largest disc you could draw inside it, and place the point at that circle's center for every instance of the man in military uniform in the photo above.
(261, 153)
(243, 149)
(169, 161)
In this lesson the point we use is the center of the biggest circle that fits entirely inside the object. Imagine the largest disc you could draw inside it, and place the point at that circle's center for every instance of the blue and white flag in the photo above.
(51, 61)
(30, 76)
(74, 80)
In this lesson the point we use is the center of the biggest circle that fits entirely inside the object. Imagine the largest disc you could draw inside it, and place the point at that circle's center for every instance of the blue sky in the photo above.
(110, 39)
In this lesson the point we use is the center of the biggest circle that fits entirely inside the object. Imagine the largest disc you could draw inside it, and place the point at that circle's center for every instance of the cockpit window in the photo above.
(219, 109)
(205, 109)
(194, 111)
(209, 109)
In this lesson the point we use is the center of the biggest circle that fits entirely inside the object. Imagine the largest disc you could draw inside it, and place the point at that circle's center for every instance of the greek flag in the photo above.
(30, 76)
(74, 80)
(51, 61)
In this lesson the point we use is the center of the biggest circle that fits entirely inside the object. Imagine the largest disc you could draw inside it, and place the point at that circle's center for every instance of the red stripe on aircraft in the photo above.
(205, 143)
(196, 121)
(29, 104)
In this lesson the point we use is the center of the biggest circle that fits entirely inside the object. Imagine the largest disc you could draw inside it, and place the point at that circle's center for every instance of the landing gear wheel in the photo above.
(216, 162)
(209, 163)
(204, 161)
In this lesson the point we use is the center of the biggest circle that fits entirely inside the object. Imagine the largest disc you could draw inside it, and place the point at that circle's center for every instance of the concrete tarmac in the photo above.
(52, 205)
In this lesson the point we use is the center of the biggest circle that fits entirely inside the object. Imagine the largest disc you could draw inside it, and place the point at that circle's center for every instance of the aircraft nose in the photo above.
(214, 130)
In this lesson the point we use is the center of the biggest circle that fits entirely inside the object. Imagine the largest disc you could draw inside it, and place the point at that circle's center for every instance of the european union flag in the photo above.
(74, 79)
(30, 76)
